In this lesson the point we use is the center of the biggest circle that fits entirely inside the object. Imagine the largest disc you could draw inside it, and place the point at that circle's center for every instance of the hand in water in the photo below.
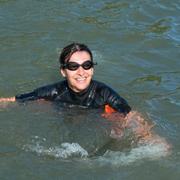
(140, 127)
(137, 126)
(5, 101)
(133, 121)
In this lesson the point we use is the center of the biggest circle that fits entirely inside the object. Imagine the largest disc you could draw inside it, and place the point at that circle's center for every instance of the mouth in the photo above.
(81, 79)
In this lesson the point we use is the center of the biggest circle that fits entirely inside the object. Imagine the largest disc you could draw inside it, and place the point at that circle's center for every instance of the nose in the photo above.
(80, 71)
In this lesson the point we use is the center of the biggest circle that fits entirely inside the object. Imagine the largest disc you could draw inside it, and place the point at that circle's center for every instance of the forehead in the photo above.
(80, 56)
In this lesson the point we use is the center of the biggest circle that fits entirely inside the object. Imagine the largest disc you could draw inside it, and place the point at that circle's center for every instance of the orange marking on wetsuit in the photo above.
(108, 109)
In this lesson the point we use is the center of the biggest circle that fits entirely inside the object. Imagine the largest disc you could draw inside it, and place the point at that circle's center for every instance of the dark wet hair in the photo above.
(71, 49)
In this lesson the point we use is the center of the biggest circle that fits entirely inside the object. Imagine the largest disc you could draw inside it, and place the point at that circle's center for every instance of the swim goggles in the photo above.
(73, 66)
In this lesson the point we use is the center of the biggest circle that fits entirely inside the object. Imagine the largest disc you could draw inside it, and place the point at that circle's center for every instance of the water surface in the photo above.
(136, 44)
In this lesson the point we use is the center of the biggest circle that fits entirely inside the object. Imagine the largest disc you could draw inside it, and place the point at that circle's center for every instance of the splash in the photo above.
(64, 151)
(153, 150)
(150, 151)
(142, 144)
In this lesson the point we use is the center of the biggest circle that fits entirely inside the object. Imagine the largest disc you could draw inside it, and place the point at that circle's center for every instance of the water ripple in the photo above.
(148, 78)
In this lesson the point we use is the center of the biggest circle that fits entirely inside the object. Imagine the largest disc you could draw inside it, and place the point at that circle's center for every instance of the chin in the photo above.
(81, 86)
(79, 89)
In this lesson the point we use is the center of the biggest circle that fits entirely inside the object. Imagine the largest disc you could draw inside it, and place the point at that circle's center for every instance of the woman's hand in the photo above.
(5, 101)
(10, 99)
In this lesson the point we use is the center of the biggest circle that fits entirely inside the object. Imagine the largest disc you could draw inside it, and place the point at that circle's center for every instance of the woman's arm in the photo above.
(116, 102)
(46, 92)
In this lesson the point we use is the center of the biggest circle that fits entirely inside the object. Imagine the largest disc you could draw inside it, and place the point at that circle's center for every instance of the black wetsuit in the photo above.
(97, 95)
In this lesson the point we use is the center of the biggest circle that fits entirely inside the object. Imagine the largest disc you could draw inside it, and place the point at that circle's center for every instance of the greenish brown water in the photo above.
(136, 44)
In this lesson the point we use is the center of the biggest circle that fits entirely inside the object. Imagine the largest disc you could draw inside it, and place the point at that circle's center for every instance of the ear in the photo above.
(62, 71)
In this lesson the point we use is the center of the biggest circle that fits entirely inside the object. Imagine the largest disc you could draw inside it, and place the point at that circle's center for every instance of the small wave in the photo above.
(65, 150)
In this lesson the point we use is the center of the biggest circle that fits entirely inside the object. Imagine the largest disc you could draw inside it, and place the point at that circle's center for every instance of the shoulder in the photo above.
(103, 88)
(99, 84)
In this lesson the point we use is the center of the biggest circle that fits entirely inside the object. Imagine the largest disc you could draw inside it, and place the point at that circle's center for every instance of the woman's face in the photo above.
(79, 79)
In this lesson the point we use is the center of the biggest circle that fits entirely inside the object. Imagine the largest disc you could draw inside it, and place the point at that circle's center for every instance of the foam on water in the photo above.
(65, 150)
(137, 154)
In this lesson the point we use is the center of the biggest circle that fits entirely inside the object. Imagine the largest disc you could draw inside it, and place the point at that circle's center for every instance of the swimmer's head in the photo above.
(76, 66)
(70, 49)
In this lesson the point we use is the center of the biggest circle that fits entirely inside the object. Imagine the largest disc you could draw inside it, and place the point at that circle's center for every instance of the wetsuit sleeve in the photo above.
(116, 101)
(47, 92)
(26, 97)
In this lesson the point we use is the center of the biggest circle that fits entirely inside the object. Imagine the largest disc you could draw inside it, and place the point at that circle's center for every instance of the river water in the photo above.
(136, 44)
